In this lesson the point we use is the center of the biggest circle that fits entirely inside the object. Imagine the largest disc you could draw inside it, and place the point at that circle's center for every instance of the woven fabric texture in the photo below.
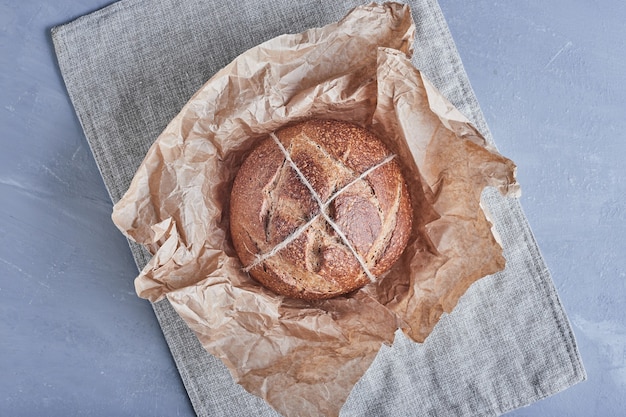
(131, 66)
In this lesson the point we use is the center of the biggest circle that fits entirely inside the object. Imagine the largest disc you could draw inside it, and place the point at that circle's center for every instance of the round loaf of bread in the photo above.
(319, 209)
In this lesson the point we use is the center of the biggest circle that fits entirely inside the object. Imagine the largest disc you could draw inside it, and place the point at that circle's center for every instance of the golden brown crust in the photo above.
(271, 203)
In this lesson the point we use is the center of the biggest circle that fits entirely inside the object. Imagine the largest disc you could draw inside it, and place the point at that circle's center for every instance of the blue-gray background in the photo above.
(74, 338)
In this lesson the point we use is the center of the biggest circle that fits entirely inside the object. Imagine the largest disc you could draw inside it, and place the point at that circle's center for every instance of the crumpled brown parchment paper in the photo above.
(302, 357)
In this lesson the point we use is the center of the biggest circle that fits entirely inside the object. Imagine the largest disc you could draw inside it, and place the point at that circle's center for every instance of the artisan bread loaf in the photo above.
(319, 209)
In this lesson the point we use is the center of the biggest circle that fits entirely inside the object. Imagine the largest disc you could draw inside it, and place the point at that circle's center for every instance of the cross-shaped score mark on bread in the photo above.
(323, 211)
(319, 209)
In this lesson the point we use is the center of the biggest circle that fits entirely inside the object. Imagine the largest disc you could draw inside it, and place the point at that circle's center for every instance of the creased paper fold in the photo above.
(302, 357)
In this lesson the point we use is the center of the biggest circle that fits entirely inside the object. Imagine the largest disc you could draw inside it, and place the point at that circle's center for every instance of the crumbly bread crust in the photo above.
(271, 204)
